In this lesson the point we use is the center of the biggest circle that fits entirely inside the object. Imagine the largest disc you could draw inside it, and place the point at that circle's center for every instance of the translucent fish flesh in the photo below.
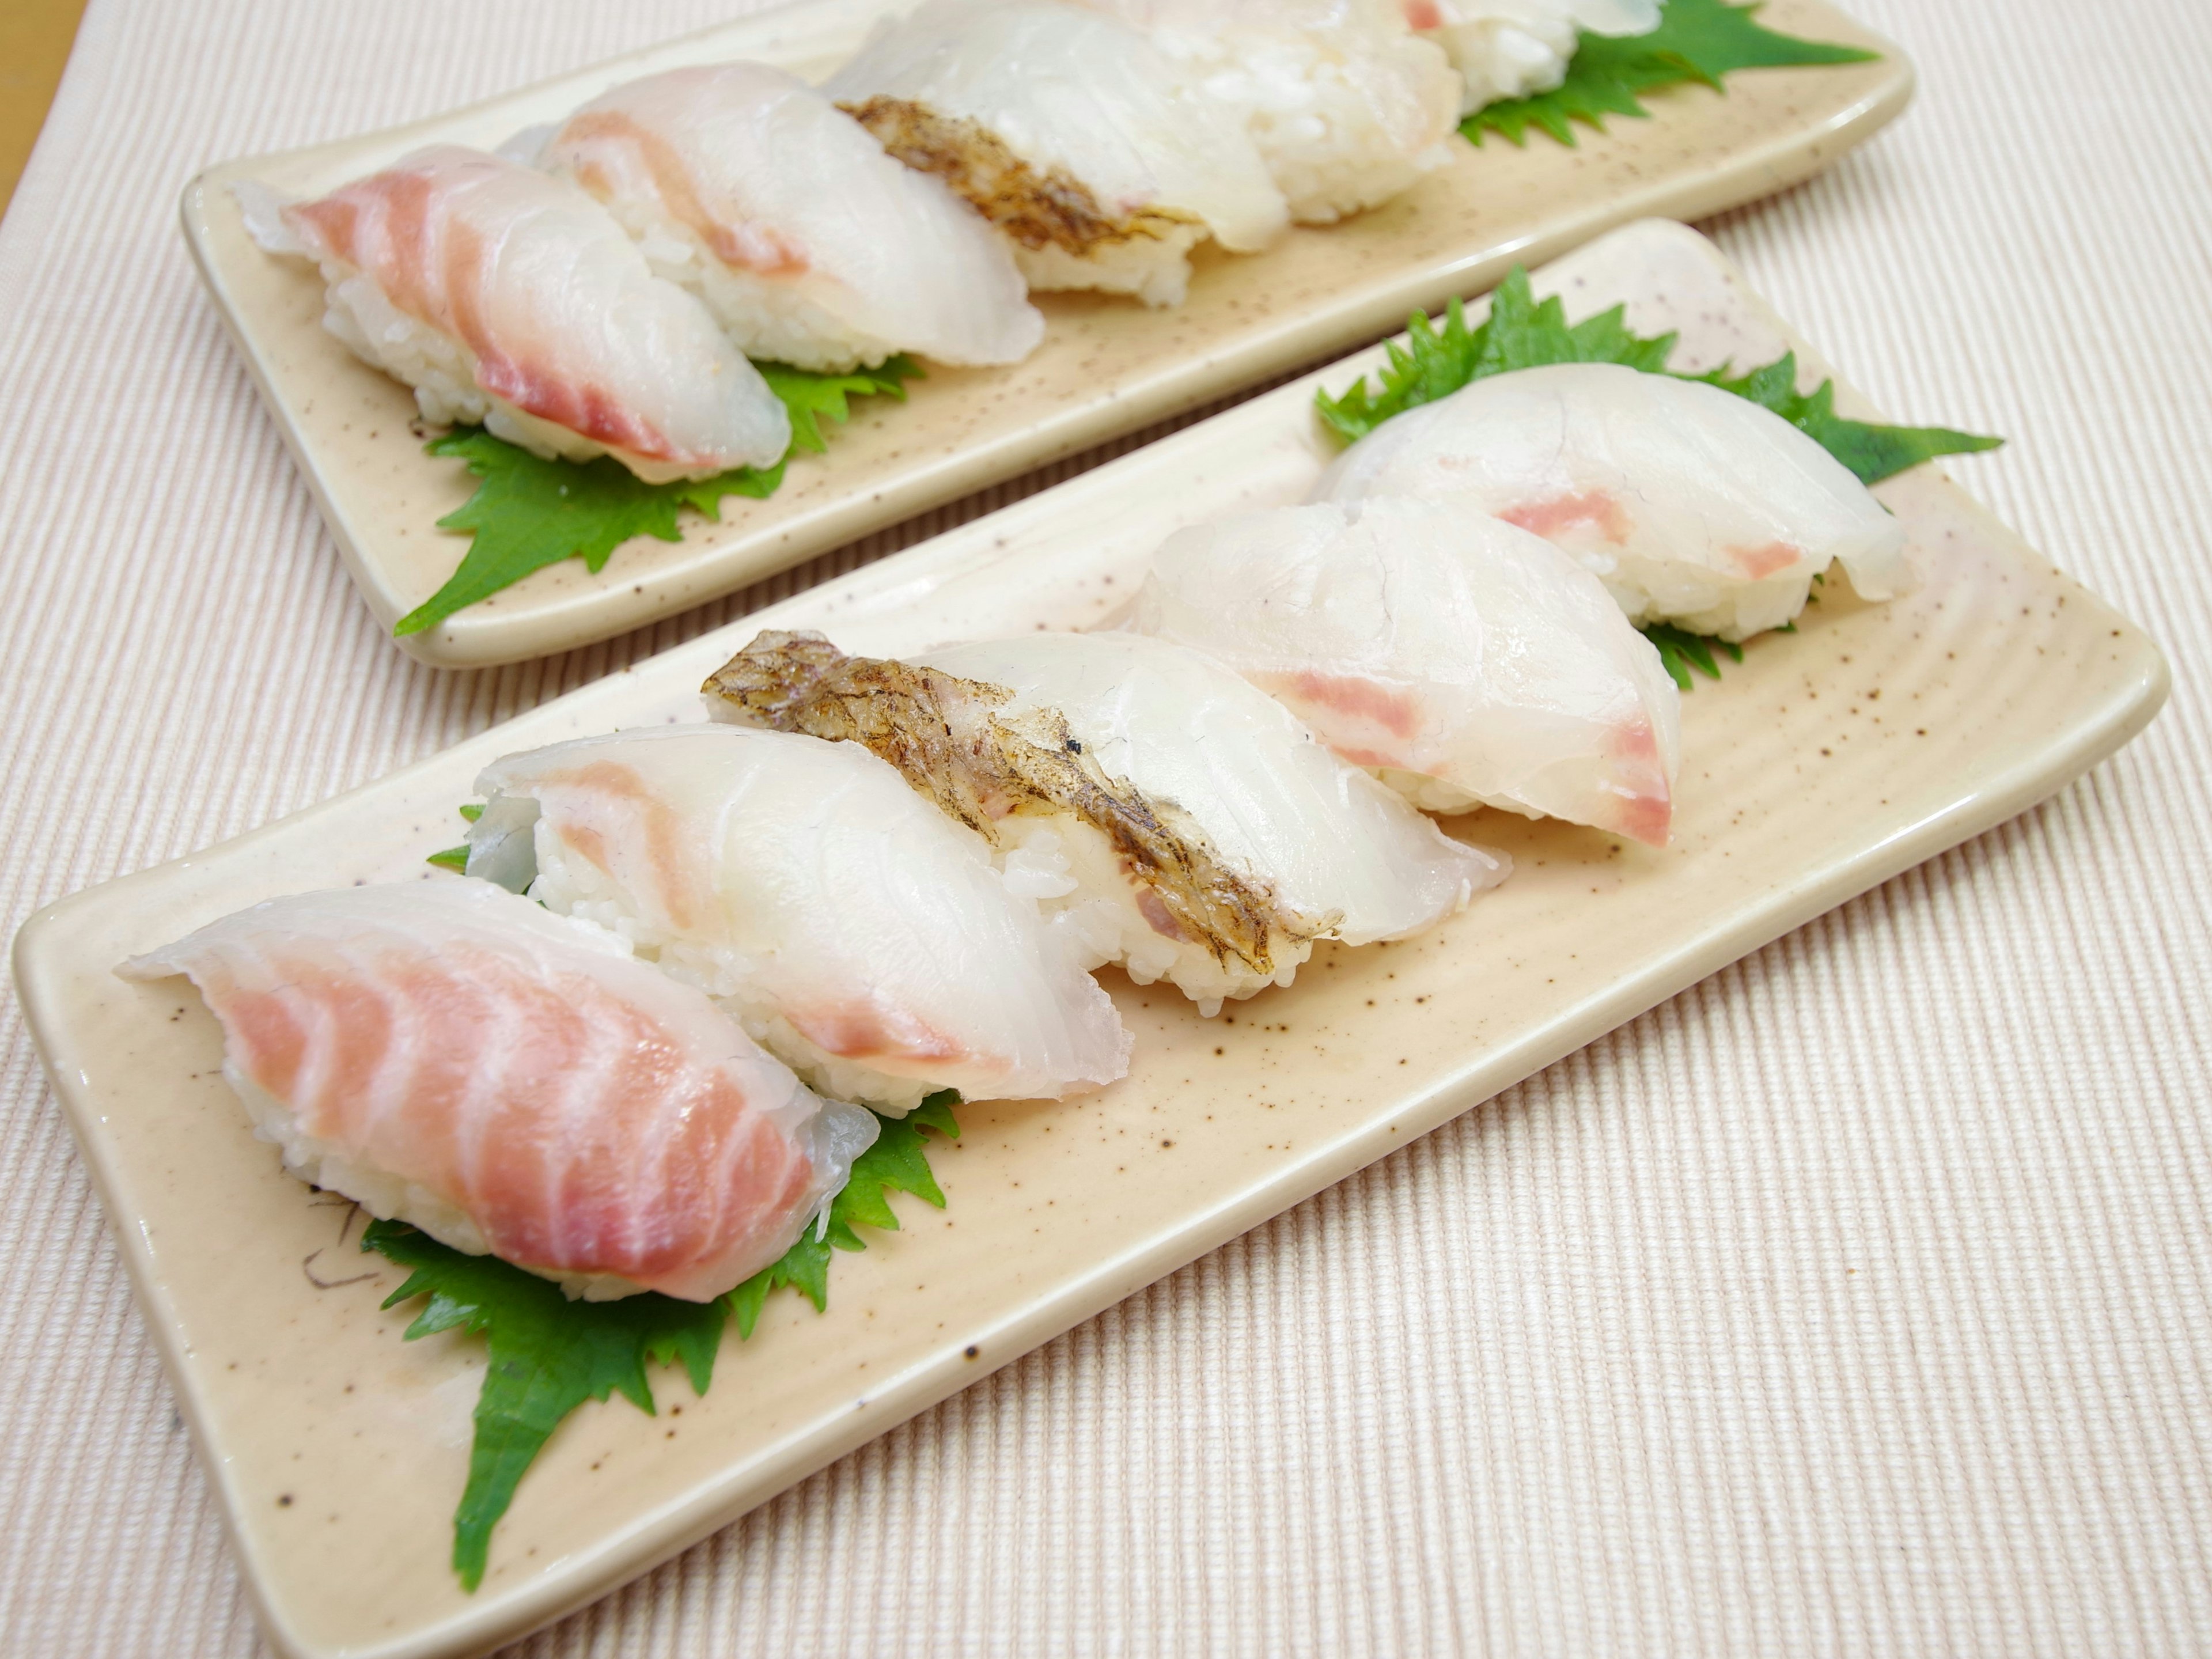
(1071, 133)
(1203, 835)
(515, 1084)
(1517, 48)
(1693, 505)
(509, 298)
(861, 936)
(1346, 103)
(1466, 661)
(809, 243)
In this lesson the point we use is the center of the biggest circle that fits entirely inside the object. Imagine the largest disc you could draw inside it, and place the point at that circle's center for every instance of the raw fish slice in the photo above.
(1517, 48)
(1209, 838)
(1347, 105)
(1071, 133)
(809, 243)
(510, 1082)
(506, 297)
(1467, 662)
(1693, 505)
(861, 936)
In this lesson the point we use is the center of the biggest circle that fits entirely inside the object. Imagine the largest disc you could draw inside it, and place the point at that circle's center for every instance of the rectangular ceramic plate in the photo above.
(1107, 367)
(1830, 760)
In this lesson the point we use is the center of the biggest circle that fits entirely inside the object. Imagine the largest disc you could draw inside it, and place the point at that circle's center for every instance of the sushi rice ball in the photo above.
(860, 935)
(515, 1084)
(510, 298)
(1072, 134)
(1465, 661)
(1347, 105)
(1692, 506)
(809, 246)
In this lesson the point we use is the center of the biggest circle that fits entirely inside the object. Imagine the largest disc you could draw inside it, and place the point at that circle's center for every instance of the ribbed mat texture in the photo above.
(1854, 1303)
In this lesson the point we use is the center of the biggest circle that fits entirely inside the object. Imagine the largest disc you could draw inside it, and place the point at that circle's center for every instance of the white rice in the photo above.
(1155, 268)
(774, 321)
(438, 368)
(323, 1164)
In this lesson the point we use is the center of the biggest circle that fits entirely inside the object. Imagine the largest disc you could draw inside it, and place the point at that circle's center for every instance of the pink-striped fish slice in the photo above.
(514, 1083)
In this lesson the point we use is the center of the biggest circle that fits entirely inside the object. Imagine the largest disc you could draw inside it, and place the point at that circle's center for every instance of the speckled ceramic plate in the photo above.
(1107, 367)
(1874, 738)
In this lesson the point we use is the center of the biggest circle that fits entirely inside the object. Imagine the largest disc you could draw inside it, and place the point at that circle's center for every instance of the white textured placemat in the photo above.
(1854, 1303)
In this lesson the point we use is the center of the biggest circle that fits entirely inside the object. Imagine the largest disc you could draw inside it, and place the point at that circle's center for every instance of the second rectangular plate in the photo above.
(1107, 367)
(1828, 761)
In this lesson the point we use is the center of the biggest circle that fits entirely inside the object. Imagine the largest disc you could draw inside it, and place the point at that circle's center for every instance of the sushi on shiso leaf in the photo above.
(863, 937)
(511, 299)
(515, 1084)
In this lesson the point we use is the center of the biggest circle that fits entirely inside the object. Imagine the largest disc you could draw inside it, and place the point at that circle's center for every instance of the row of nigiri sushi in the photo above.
(603, 285)
(874, 879)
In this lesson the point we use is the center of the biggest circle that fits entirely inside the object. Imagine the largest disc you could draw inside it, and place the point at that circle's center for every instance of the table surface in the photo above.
(1855, 1302)
(35, 45)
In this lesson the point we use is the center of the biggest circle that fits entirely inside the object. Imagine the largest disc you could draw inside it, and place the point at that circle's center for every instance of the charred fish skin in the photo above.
(1038, 208)
(948, 738)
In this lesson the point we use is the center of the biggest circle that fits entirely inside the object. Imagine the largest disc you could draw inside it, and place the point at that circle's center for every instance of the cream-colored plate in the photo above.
(1106, 367)
(1872, 738)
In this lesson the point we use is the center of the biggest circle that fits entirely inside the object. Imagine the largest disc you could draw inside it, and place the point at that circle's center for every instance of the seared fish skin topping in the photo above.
(1036, 208)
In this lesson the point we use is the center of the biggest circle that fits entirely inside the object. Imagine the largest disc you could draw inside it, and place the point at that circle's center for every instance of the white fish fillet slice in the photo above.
(809, 243)
(513, 1083)
(1517, 48)
(1693, 505)
(1069, 132)
(1347, 105)
(1466, 662)
(858, 933)
(509, 298)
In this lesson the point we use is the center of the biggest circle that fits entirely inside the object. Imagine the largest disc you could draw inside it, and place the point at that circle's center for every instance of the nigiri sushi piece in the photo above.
(1072, 134)
(507, 297)
(1517, 48)
(1346, 103)
(1466, 662)
(861, 936)
(809, 245)
(515, 1084)
(1203, 835)
(1693, 505)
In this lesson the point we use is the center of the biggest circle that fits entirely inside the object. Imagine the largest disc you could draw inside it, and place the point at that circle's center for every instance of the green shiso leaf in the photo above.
(1524, 332)
(1680, 651)
(1873, 453)
(549, 1355)
(528, 512)
(898, 1162)
(456, 858)
(813, 397)
(1697, 41)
